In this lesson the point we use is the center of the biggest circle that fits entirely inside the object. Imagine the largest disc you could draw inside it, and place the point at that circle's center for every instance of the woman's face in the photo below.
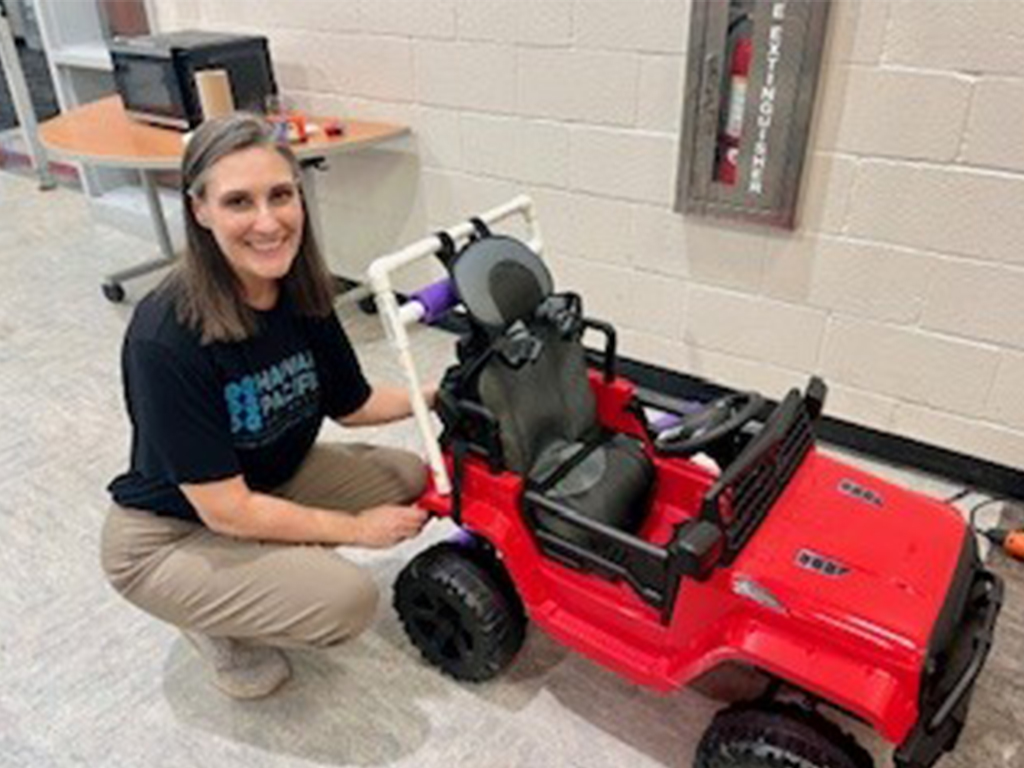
(252, 206)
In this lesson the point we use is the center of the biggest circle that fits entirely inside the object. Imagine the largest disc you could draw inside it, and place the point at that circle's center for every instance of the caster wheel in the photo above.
(114, 292)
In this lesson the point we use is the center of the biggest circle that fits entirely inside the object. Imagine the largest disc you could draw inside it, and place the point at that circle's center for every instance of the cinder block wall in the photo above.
(904, 285)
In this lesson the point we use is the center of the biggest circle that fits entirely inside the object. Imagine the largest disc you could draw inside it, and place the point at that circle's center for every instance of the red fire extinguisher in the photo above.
(727, 166)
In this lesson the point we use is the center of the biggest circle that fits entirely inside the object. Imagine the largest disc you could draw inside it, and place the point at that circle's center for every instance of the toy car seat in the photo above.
(524, 363)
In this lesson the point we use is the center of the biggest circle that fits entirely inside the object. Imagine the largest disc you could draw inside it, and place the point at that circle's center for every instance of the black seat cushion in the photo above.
(610, 485)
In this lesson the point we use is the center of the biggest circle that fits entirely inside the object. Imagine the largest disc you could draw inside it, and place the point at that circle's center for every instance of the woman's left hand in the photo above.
(430, 395)
(387, 403)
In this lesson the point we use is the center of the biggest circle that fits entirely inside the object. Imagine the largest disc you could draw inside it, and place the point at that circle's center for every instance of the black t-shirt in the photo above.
(201, 413)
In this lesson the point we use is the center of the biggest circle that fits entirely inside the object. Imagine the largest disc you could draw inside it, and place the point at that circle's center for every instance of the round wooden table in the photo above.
(102, 134)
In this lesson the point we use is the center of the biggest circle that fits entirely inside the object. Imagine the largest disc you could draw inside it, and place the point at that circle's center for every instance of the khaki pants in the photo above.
(278, 594)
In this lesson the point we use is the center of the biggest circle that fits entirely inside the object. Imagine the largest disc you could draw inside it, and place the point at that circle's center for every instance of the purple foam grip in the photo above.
(665, 420)
(436, 299)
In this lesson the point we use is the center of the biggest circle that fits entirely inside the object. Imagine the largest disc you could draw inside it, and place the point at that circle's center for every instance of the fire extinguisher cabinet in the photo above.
(752, 72)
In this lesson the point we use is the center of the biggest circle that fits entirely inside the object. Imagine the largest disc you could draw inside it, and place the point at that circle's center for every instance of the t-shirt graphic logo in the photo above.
(243, 405)
(264, 404)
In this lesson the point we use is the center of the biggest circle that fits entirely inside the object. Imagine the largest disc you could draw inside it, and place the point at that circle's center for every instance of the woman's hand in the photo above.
(389, 524)
(386, 403)
(430, 395)
(228, 507)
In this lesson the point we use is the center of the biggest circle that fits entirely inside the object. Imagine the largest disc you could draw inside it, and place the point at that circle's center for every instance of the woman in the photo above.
(229, 368)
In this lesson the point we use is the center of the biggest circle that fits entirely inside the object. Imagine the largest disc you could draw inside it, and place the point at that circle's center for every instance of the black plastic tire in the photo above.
(777, 736)
(459, 610)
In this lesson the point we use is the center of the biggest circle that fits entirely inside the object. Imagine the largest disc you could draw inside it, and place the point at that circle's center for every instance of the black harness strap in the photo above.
(481, 229)
(448, 253)
(562, 471)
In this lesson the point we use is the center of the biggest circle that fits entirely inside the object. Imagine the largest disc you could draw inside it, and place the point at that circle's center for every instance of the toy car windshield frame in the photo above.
(744, 493)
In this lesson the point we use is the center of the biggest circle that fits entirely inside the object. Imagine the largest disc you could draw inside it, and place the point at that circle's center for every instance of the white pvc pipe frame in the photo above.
(395, 319)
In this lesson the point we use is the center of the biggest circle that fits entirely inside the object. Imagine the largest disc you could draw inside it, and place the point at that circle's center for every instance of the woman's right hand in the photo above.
(389, 524)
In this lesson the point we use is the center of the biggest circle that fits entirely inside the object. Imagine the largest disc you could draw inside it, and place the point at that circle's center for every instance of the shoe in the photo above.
(242, 670)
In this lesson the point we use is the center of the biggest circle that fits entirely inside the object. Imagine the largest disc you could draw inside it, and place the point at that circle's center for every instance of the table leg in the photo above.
(112, 287)
(352, 290)
(312, 201)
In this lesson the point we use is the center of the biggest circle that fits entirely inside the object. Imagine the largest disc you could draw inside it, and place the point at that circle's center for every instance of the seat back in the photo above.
(542, 403)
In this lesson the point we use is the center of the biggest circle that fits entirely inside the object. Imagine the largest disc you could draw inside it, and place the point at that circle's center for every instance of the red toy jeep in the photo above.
(663, 552)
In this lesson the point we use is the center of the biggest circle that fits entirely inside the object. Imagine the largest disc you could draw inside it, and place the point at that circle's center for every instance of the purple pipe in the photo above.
(665, 421)
(668, 420)
(436, 299)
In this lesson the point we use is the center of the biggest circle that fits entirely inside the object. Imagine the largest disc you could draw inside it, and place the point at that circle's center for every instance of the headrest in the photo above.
(500, 280)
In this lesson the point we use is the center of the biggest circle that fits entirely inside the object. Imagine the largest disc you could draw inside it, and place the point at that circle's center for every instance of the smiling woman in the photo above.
(251, 205)
(248, 236)
(230, 367)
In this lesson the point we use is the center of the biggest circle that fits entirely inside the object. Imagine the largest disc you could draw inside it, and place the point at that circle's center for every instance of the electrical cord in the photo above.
(958, 495)
(1004, 538)
(1008, 540)
(973, 514)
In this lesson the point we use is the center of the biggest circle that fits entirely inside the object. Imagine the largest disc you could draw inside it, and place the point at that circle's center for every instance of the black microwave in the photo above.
(155, 74)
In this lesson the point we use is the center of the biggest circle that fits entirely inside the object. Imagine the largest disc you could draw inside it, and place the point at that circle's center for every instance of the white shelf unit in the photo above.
(76, 49)
(73, 37)
(88, 56)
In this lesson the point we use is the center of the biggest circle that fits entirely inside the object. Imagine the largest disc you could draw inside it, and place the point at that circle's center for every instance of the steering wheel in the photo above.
(718, 419)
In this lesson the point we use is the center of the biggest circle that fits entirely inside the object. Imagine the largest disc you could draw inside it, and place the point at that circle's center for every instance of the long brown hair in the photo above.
(207, 294)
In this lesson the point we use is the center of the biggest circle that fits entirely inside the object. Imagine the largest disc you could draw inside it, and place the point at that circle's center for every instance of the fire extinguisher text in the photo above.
(766, 102)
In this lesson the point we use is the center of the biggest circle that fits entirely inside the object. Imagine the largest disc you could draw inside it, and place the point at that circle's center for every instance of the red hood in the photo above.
(855, 553)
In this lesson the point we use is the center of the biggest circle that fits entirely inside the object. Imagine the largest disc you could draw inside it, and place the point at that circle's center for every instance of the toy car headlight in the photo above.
(747, 587)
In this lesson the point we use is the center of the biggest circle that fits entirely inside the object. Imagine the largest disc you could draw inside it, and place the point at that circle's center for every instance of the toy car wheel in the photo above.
(777, 736)
(460, 612)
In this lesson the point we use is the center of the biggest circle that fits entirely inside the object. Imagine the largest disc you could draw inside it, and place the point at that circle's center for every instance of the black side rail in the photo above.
(607, 359)
(474, 425)
(655, 573)
(613, 553)
(469, 428)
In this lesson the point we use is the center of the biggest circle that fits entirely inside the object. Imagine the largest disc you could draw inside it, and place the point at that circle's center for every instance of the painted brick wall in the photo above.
(904, 285)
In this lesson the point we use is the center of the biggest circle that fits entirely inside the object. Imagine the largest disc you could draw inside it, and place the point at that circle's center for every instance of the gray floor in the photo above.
(85, 679)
